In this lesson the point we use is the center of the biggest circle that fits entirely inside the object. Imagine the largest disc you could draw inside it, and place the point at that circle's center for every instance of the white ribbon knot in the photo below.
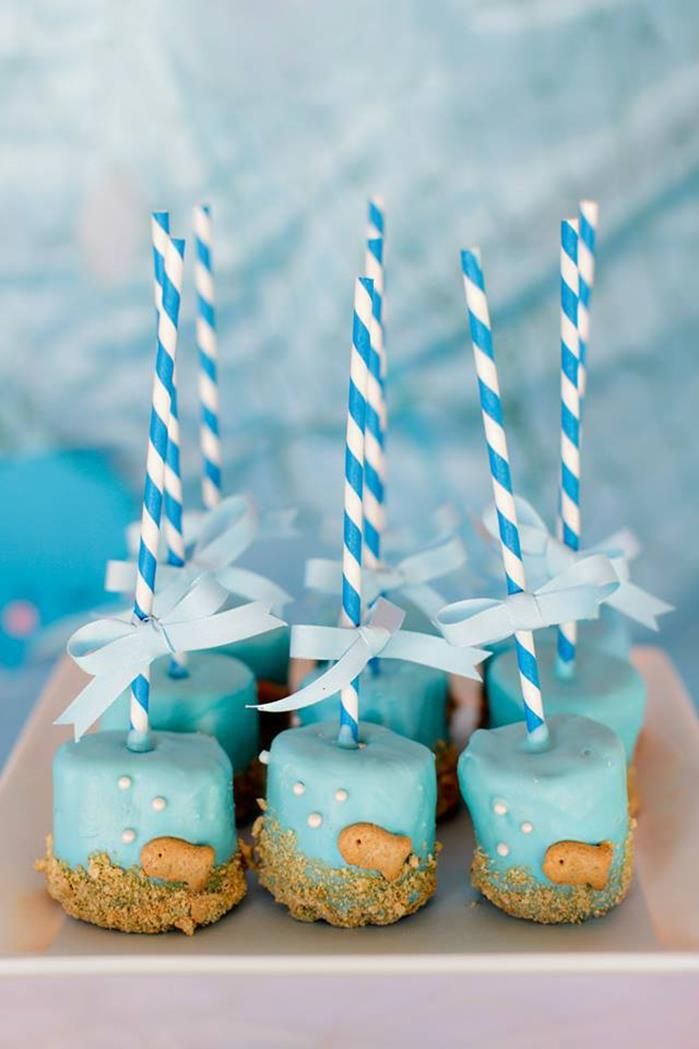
(354, 647)
(224, 534)
(545, 557)
(187, 617)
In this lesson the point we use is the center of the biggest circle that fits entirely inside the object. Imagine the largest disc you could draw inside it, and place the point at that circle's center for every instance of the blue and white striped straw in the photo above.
(139, 728)
(208, 355)
(160, 228)
(174, 535)
(354, 483)
(570, 423)
(493, 424)
(588, 218)
(375, 435)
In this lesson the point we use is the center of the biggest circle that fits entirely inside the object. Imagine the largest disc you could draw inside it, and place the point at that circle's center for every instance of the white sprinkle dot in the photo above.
(295, 721)
(264, 757)
(527, 827)
(341, 795)
(124, 782)
(503, 849)
(499, 808)
(299, 788)
(158, 804)
(315, 819)
(128, 835)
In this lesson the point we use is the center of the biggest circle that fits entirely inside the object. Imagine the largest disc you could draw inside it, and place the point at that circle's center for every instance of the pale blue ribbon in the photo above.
(410, 576)
(545, 556)
(575, 593)
(224, 534)
(354, 647)
(186, 617)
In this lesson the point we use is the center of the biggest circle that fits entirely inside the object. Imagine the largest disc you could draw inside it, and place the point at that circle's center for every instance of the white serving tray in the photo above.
(656, 929)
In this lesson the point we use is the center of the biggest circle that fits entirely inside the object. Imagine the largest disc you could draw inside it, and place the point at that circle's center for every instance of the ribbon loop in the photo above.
(188, 616)
(409, 576)
(224, 534)
(354, 647)
(575, 593)
(546, 557)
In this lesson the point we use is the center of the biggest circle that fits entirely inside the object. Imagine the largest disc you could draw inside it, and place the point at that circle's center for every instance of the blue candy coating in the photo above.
(574, 789)
(405, 697)
(604, 687)
(389, 781)
(91, 811)
(213, 698)
(267, 655)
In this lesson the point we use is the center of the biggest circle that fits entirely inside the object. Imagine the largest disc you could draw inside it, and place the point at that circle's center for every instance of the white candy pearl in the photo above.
(158, 804)
(124, 782)
(315, 819)
(527, 827)
(128, 836)
(341, 795)
(503, 849)
(264, 757)
(299, 788)
(499, 808)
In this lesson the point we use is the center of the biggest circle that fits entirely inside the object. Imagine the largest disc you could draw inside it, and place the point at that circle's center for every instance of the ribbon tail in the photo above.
(435, 652)
(223, 628)
(347, 668)
(97, 696)
(637, 604)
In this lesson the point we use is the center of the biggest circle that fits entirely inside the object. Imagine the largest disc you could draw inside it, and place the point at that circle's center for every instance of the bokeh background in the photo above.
(479, 121)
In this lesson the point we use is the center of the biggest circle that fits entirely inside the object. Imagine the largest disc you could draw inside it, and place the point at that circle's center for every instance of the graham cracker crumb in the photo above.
(127, 900)
(342, 896)
(518, 893)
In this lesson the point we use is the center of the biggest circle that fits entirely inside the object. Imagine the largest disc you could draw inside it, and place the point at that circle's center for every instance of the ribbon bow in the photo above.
(354, 647)
(576, 593)
(545, 556)
(224, 534)
(187, 616)
(410, 576)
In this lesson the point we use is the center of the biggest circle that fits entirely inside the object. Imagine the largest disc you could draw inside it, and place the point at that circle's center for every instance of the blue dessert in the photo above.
(552, 825)
(348, 835)
(144, 842)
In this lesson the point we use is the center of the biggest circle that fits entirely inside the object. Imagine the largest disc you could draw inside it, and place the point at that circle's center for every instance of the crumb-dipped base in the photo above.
(517, 893)
(129, 901)
(344, 896)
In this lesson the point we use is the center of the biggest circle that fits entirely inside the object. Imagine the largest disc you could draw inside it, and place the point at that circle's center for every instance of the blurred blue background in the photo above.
(479, 121)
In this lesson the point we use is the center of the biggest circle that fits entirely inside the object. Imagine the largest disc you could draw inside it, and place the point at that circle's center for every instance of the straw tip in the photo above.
(471, 263)
(589, 209)
(376, 212)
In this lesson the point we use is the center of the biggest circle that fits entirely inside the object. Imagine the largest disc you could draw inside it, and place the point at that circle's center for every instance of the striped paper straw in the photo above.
(354, 483)
(493, 424)
(570, 423)
(206, 345)
(588, 218)
(139, 729)
(375, 463)
(174, 536)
